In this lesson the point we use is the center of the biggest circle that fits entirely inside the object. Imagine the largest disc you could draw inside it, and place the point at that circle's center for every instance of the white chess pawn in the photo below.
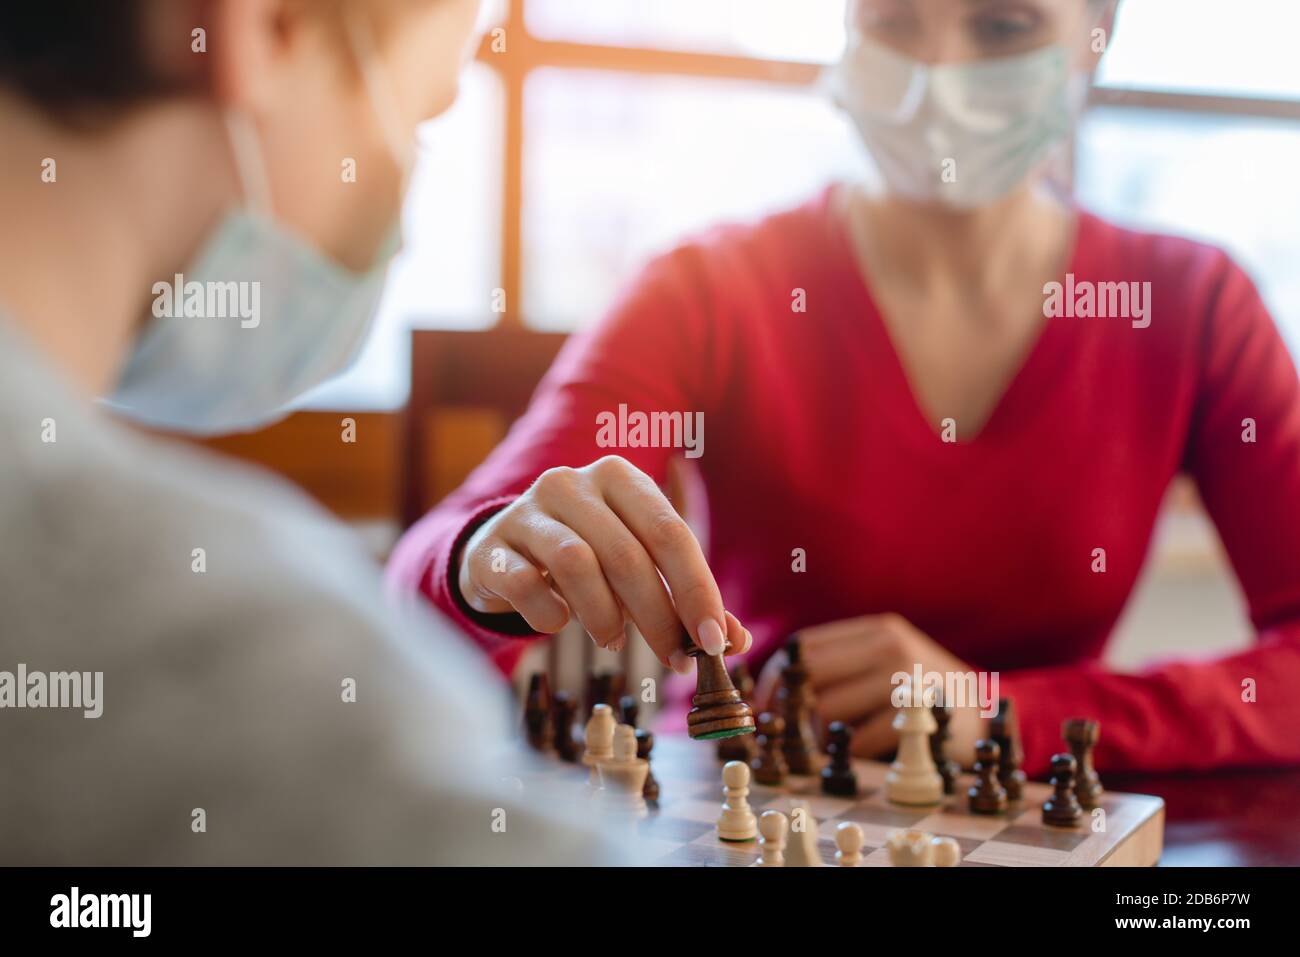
(737, 822)
(622, 777)
(947, 852)
(913, 777)
(848, 838)
(772, 829)
(599, 740)
(802, 848)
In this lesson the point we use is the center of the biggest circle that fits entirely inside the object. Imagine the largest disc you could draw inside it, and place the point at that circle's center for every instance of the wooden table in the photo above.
(1227, 819)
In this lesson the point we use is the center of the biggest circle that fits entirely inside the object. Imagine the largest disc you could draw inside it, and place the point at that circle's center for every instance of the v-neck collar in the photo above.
(912, 417)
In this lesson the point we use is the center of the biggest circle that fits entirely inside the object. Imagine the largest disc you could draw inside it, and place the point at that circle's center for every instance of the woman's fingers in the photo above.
(855, 699)
(646, 512)
(496, 578)
(875, 737)
(576, 573)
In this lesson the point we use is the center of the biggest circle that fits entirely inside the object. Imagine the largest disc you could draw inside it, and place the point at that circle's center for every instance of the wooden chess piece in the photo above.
(599, 741)
(987, 795)
(913, 777)
(1062, 808)
(848, 841)
(1081, 736)
(563, 710)
(838, 777)
(537, 712)
(947, 852)
(645, 742)
(737, 822)
(628, 710)
(769, 765)
(773, 827)
(1005, 730)
(604, 687)
(741, 747)
(795, 701)
(622, 776)
(949, 769)
(717, 709)
(802, 849)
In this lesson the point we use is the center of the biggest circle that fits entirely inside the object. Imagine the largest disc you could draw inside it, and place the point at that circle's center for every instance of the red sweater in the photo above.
(814, 440)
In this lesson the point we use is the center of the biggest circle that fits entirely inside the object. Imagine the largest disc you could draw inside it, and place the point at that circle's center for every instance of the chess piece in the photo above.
(947, 852)
(1005, 730)
(717, 709)
(622, 776)
(848, 840)
(795, 701)
(913, 777)
(773, 826)
(910, 848)
(740, 747)
(801, 850)
(737, 822)
(769, 765)
(604, 687)
(563, 710)
(948, 769)
(1081, 736)
(628, 710)
(537, 713)
(1062, 808)
(645, 742)
(987, 795)
(599, 741)
(838, 777)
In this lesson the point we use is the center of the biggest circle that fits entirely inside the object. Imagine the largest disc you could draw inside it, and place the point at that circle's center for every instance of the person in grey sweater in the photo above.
(197, 666)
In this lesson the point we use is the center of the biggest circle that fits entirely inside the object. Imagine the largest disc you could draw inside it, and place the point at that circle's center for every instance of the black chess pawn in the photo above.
(948, 768)
(1081, 736)
(563, 710)
(1062, 808)
(987, 795)
(769, 766)
(717, 709)
(537, 712)
(645, 742)
(1005, 730)
(739, 747)
(838, 777)
(795, 701)
(628, 710)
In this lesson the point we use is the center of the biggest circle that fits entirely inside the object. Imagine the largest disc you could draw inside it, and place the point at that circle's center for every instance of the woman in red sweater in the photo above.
(941, 420)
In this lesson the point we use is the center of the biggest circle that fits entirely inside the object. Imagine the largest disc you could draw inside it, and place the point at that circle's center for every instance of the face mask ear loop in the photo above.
(383, 98)
(250, 164)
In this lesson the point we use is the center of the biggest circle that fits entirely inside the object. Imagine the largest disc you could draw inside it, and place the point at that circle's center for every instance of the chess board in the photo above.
(682, 833)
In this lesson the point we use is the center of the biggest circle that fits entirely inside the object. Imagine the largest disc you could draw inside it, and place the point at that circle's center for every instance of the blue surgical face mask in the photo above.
(261, 316)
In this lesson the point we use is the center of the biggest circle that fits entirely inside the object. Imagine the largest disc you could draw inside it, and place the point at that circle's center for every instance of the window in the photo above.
(609, 129)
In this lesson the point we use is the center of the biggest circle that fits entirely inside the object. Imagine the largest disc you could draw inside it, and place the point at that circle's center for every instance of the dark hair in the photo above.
(77, 54)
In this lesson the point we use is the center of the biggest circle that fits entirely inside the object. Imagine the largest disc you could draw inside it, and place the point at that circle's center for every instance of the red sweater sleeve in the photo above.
(1242, 709)
(653, 353)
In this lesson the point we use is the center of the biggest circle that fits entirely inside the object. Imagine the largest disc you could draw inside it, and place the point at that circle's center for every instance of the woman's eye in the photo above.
(1003, 29)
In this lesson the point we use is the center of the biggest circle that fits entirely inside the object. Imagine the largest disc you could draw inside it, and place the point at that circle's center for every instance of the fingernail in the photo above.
(749, 641)
(712, 638)
(679, 662)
